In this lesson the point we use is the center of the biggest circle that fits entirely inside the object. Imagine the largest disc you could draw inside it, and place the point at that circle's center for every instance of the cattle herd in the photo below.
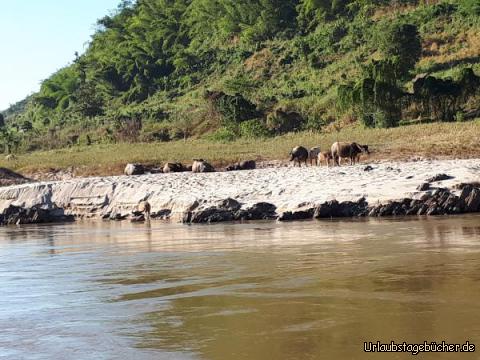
(338, 151)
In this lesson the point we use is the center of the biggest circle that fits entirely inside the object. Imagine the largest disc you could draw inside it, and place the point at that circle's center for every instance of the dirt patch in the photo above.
(9, 177)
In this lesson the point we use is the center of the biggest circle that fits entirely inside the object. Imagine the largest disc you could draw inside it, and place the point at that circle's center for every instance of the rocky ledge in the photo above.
(433, 187)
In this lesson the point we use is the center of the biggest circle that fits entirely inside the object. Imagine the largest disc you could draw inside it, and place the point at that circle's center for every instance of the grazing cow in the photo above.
(347, 151)
(242, 165)
(365, 147)
(325, 157)
(313, 155)
(298, 155)
(201, 166)
(173, 167)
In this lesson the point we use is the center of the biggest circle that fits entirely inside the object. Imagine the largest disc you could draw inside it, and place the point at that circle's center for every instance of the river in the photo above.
(263, 290)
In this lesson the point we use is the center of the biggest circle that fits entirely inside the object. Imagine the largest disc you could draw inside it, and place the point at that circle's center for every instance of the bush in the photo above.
(314, 124)
(233, 108)
(469, 7)
(282, 122)
(382, 119)
(460, 116)
(253, 129)
(222, 134)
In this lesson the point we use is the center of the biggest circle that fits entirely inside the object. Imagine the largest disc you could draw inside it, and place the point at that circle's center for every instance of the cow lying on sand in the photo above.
(352, 151)
(201, 166)
(242, 165)
(171, 167)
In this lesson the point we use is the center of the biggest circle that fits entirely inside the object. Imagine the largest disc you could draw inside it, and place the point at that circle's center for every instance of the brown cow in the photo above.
(313, 155)
(347, 151)
(325, 157)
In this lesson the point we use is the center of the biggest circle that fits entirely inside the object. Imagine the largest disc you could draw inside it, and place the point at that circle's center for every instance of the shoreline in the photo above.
(282, 193)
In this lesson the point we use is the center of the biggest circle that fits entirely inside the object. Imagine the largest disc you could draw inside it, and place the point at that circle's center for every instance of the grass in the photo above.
(451, 140)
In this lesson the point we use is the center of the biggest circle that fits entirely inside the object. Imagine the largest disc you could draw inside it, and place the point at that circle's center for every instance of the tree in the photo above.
(2, 120)
(376, 96)
(88, 101)
(57, 91)
(9, 139)
(401, 44)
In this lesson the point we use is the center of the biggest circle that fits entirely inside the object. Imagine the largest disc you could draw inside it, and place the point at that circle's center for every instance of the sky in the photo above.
(38, 37)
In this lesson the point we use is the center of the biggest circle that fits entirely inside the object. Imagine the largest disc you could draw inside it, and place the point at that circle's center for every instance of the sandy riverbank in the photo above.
(288, 189)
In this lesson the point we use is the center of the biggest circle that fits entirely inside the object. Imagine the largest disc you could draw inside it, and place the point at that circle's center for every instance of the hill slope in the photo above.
(161, 70)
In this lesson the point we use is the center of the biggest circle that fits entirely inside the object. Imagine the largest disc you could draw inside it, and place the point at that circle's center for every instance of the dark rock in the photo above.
(462, 185)
(368, 168)
(326, 210)
(399, 210)
(224, 210)
(472, 201)
(373, 211)
(452, 203)
(439, 177)
(466, 191)
(424, 187)
(413, 209)
(301, 214)
(391, 208)
(138, 218)
(333, 208)
(433, 210)
(259, 211)
(14, 215)
(116, 216)
(162, 214)
(422, 210)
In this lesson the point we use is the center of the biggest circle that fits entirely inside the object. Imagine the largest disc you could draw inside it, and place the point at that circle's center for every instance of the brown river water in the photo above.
(264, 290)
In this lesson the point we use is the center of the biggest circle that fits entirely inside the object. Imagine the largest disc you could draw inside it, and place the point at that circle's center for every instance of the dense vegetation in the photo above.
(160, 70)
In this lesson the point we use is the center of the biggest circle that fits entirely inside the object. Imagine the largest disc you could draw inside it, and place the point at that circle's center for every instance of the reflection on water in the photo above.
(305, 290)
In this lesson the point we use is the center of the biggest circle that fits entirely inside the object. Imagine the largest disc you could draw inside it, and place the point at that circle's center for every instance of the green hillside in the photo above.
(220, 70)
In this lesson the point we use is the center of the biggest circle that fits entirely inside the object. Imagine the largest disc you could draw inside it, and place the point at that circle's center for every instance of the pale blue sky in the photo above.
(38, 37)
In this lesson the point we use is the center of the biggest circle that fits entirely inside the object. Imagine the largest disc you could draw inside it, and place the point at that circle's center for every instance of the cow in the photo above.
(242, 165)
(201, 166)
(173, 167)
(347, 151)
(313, 155)
(365, 147)
(298, 155)
(325, 157)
